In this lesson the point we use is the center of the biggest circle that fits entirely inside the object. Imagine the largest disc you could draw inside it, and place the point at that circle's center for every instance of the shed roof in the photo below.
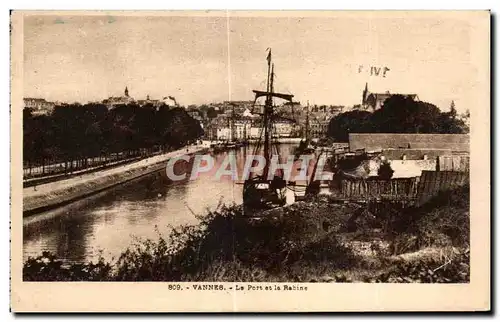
(381, 141)
(414, 154)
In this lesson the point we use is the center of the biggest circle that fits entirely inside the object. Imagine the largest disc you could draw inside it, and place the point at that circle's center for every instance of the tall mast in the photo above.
(267, 114)
(233, 129)
(271, 113)
(307, 122)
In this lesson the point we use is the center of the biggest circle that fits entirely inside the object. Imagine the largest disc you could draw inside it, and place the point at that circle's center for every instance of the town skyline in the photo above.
(95, 57)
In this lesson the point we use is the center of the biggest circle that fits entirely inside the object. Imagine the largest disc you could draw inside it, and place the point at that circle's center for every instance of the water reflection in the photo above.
(109, 221)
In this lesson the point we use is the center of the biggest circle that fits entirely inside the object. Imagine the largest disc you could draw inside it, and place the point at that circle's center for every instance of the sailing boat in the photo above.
(305, 146)
(266, 190)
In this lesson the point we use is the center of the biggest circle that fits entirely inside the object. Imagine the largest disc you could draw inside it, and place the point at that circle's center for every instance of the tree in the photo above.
(399, 114)
(77, 132)
(353, 121)
(211, 112)
(453, 110)
(385, 170)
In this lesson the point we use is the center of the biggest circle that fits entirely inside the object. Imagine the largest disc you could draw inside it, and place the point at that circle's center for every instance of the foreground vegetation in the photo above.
(313, 241)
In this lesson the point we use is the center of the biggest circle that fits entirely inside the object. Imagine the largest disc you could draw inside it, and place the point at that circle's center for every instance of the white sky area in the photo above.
(212, 59)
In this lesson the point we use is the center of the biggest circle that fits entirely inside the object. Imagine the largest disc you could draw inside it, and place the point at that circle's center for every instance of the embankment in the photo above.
(54, 194)
(281, 140)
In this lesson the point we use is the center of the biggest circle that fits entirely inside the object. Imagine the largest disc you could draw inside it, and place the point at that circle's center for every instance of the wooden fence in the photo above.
(416, 190)
(433, 182)
(453, 163)
(373, 189)
(48, 168)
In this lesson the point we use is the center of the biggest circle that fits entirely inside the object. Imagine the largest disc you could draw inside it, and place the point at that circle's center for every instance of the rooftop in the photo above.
(382, 141)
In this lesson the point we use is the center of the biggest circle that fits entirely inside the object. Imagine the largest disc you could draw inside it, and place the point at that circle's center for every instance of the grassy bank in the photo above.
(313, 241)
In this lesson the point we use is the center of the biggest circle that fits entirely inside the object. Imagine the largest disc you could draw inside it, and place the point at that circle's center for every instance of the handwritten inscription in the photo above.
(373, 70)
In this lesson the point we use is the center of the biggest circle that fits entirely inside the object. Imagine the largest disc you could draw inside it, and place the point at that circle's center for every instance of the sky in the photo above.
(203, 59)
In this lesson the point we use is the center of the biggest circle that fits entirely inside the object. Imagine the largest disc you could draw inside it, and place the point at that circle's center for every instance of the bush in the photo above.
(47, 268)
(443, 221)
(268, 246)
(294, 243)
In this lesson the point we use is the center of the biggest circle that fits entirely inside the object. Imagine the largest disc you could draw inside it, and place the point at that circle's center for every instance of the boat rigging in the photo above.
(267, 190)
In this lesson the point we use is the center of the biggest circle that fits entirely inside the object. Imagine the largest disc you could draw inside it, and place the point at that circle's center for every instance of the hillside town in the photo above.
(231, 120)
(239, 121)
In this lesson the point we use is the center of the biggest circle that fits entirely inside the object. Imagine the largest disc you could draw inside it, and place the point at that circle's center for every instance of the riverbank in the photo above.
(277, 140)
(285, 140)
(50, 195)
(318, 240)
(30, 182)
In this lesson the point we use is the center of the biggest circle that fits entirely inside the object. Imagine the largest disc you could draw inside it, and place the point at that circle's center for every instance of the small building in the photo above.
(241, 130)
(318, 127)
(283, 129)
(409, 153)
(149, 101)
(38, 106)
(224, 134)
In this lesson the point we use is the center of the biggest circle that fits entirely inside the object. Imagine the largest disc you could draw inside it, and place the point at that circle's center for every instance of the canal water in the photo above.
(106, 224)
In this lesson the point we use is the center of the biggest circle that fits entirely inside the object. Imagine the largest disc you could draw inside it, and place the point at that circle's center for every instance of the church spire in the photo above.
(126, 91)
(365, 94)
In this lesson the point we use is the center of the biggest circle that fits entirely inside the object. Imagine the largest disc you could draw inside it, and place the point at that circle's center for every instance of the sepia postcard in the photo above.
(250, 161)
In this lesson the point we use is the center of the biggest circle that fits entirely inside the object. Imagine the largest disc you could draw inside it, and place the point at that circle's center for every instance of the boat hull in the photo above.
(263, 194)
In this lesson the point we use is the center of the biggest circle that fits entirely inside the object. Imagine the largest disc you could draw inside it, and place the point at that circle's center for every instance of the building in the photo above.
(318, 123)
(241, 131)
(149, 101)
(318, 118)
(126, 99)
(224, 134)
(336, 109)
(410, 154)
(238, 107)
(375, 101)
(256, 132)
(283, 129)
(318, 127)
(119, 100)
(210, 130)
(39, 106)
(457, 143)
(244, 130)
(242, 124)
(197, 115)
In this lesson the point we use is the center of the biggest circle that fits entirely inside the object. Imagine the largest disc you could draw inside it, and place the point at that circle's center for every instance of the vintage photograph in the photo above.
(248, 147)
